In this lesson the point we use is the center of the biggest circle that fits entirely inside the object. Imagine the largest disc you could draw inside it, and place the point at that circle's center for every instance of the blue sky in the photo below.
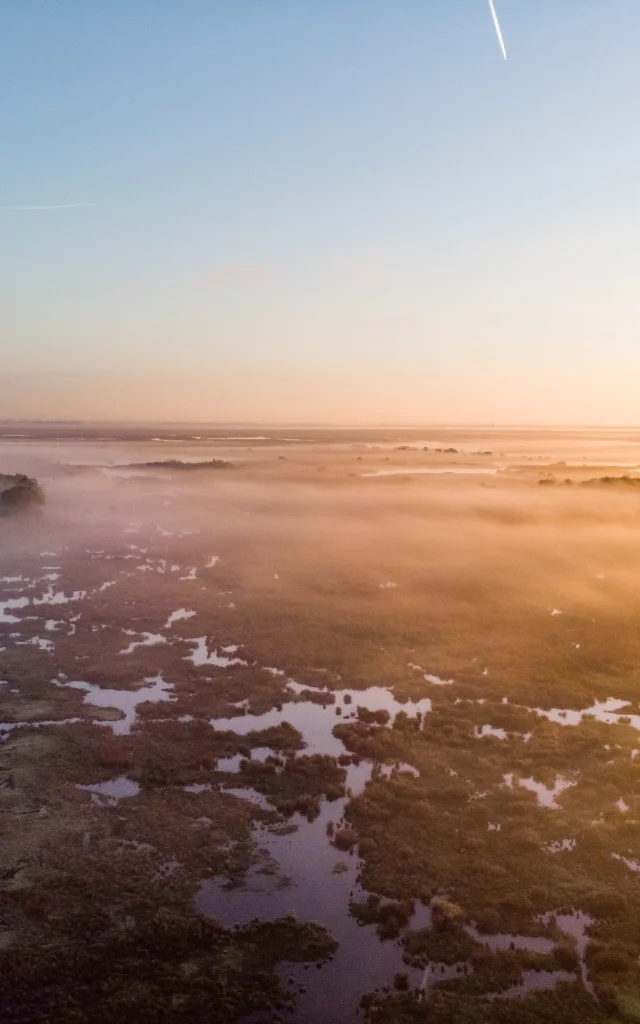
(341, 210)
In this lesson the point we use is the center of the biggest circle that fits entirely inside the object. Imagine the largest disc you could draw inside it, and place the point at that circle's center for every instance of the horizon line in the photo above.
(326, 425)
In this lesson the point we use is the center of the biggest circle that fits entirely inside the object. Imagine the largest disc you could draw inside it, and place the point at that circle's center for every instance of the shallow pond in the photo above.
(125, 701)
(110, 792)
(546, 794)
(301, 872)
(297, 874)
(12, 602)
(203, 656)
(316, 721)
(608, 711)
(149, 640)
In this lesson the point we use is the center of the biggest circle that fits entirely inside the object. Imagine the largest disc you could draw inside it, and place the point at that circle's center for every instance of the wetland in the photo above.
(335, 726)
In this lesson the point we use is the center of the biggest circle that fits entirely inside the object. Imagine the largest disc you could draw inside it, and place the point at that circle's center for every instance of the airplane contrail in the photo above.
(56, 206)
(497, 24)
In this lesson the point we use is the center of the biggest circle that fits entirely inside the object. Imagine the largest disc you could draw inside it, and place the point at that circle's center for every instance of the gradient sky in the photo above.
(320, 210)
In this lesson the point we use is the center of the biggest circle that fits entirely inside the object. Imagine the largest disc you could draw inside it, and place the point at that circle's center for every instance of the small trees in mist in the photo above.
(19, 493)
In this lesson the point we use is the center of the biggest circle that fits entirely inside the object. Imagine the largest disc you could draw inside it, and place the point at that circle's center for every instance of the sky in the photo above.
(347, 211)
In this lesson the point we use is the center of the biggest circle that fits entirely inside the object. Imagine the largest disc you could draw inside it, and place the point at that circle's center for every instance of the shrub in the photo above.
(345, 839)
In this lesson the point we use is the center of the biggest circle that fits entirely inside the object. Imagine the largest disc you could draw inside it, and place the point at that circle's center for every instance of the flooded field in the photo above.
(292, 744)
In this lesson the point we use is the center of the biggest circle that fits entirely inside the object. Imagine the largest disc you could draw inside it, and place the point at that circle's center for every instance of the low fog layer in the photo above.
(309, 524)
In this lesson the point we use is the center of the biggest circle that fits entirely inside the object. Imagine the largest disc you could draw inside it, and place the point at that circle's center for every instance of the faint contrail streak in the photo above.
(497, 24)
(57, 206)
